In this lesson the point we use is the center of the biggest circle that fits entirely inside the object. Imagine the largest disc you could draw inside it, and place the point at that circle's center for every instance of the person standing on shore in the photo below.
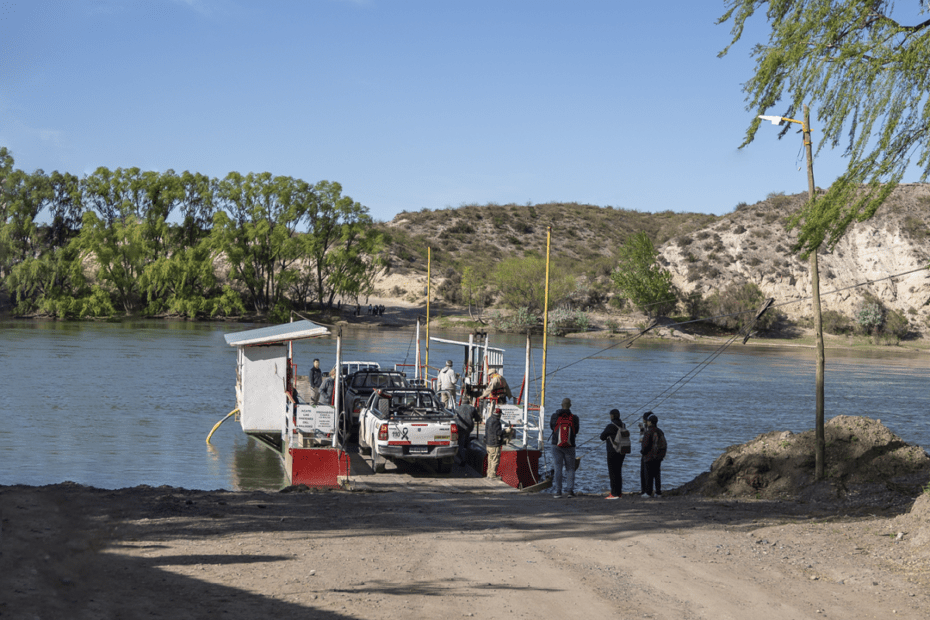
(466, 416)
(564, 425)
(653, 451)
(643, 423)
(616, 452)
(494, 440)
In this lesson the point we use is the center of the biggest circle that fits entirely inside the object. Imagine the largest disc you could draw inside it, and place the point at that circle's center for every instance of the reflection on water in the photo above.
(121, 404)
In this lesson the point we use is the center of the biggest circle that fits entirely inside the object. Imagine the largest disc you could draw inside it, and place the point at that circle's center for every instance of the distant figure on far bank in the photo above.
(653, 451)
(618, 446)
(564, 425)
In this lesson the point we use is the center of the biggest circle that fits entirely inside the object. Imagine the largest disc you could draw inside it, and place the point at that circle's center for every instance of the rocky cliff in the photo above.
(752, 244)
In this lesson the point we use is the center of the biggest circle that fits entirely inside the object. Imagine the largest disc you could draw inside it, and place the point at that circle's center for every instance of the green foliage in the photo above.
(868, 73)
(120, 251)
(521, 321)
(836, 323)
(641, 280)
(871, 316)
(229, 303)
(735, 307)
(915, 228)
(564, 320)
(97, 304)
(113, 224)
(521, 283)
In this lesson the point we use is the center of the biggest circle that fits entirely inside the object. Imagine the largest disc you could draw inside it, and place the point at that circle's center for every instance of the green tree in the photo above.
(868, 74)
(66, 208)
(640, 279)
(521, 283)
(473, 290)
(52, 284)
(340, 245)
(255, 228)
(24, 197)
(120, 252)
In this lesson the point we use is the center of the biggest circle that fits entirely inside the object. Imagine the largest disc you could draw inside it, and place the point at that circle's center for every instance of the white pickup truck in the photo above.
(407, 424)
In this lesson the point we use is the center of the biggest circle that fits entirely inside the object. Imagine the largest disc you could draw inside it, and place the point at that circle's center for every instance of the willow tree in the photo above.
(867, 74)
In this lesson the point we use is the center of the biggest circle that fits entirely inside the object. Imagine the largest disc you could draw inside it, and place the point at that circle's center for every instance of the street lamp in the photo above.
(819, 450)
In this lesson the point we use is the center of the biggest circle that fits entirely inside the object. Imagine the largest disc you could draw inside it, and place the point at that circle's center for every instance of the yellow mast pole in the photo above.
(542, 404)
(429, 258)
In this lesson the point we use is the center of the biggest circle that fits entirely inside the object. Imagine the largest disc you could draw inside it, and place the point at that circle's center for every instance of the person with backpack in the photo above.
(618, 446)
(564, 425)
(653, 451)
(643, 423)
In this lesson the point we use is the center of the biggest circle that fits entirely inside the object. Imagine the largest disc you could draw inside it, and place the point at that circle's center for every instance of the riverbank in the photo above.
(79, 552)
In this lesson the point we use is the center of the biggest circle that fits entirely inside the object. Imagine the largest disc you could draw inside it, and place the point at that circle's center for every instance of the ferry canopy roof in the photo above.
(275, 334)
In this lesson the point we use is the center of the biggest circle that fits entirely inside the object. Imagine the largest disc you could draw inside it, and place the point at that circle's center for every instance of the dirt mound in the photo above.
(867, 466)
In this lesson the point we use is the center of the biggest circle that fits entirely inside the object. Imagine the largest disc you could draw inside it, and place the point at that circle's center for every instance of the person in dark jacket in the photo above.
(494, 440)
(316, 381)
(564, 456)
(614, 458)
(652, 457)
(466, 417)
(642, 462)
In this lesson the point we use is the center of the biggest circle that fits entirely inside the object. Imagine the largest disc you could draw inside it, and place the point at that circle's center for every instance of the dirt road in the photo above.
(69, 551)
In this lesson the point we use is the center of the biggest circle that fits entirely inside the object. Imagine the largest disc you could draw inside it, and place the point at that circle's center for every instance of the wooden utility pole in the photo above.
(820, 445)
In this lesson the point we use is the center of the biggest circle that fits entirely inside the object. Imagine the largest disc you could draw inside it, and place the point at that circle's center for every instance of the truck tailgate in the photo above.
(419, 434)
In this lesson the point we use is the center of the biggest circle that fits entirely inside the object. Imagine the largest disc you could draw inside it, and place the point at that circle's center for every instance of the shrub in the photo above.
(870, 316)
(836, 323)
(915, 228)
(896, 324)
(565, 320)
(521, 321)
(735, 307)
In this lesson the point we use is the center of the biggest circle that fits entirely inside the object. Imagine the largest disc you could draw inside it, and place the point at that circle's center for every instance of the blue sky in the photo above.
(408, 104)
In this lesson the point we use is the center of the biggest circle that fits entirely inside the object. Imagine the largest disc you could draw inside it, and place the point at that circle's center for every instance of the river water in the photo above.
(122, 404)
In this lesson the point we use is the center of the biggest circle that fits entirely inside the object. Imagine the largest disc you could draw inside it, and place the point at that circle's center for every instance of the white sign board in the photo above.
(317, 419)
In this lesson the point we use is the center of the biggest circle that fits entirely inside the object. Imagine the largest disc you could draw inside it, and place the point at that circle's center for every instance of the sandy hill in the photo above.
(704, 253)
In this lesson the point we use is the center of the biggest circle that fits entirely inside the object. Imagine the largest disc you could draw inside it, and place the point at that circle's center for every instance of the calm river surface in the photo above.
(121, 404)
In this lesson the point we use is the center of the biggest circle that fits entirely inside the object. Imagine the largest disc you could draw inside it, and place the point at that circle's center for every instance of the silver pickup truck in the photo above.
(407, 424)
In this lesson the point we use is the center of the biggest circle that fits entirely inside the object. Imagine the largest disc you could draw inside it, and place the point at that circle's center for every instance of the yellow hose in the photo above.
(217, 425)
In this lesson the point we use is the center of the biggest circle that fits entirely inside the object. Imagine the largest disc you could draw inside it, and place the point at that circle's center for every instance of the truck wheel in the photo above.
(363, 446)
(443, 466)
(378, 462)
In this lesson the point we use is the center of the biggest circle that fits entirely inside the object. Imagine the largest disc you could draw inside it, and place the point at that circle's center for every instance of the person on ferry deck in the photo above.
(447, 381)
(497, 388)
(316, 382)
